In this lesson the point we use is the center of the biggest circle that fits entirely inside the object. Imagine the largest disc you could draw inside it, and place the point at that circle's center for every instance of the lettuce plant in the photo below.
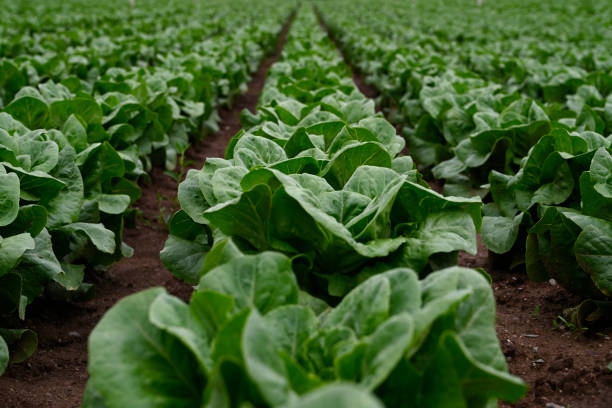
(250, 335)
(573, 245)
(317, 174)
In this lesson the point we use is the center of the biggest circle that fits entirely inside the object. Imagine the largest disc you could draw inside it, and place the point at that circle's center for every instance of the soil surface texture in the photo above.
(56, 375)
(563, 367)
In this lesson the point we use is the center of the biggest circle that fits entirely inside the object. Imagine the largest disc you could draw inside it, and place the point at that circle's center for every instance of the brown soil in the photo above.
(56, 375)
(560, 366)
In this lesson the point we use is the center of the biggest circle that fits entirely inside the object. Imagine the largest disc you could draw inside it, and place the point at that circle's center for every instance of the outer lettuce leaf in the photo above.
(9, 198)
(4, 355)
(16, 346)
(149, 365)
(557, 233)
(337, 395)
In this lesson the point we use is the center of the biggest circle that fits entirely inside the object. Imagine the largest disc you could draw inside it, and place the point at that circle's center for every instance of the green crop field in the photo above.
(303, 204)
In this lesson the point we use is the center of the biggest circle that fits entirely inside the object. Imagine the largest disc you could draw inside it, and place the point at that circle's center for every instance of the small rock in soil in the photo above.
(560, 364)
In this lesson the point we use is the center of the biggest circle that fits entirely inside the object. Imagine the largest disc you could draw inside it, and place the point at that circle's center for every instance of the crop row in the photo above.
(85, 113)
(516, 111)
(323, 266)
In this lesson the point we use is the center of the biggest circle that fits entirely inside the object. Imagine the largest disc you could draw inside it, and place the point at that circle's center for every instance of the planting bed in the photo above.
(56, 375)
(561, 366)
